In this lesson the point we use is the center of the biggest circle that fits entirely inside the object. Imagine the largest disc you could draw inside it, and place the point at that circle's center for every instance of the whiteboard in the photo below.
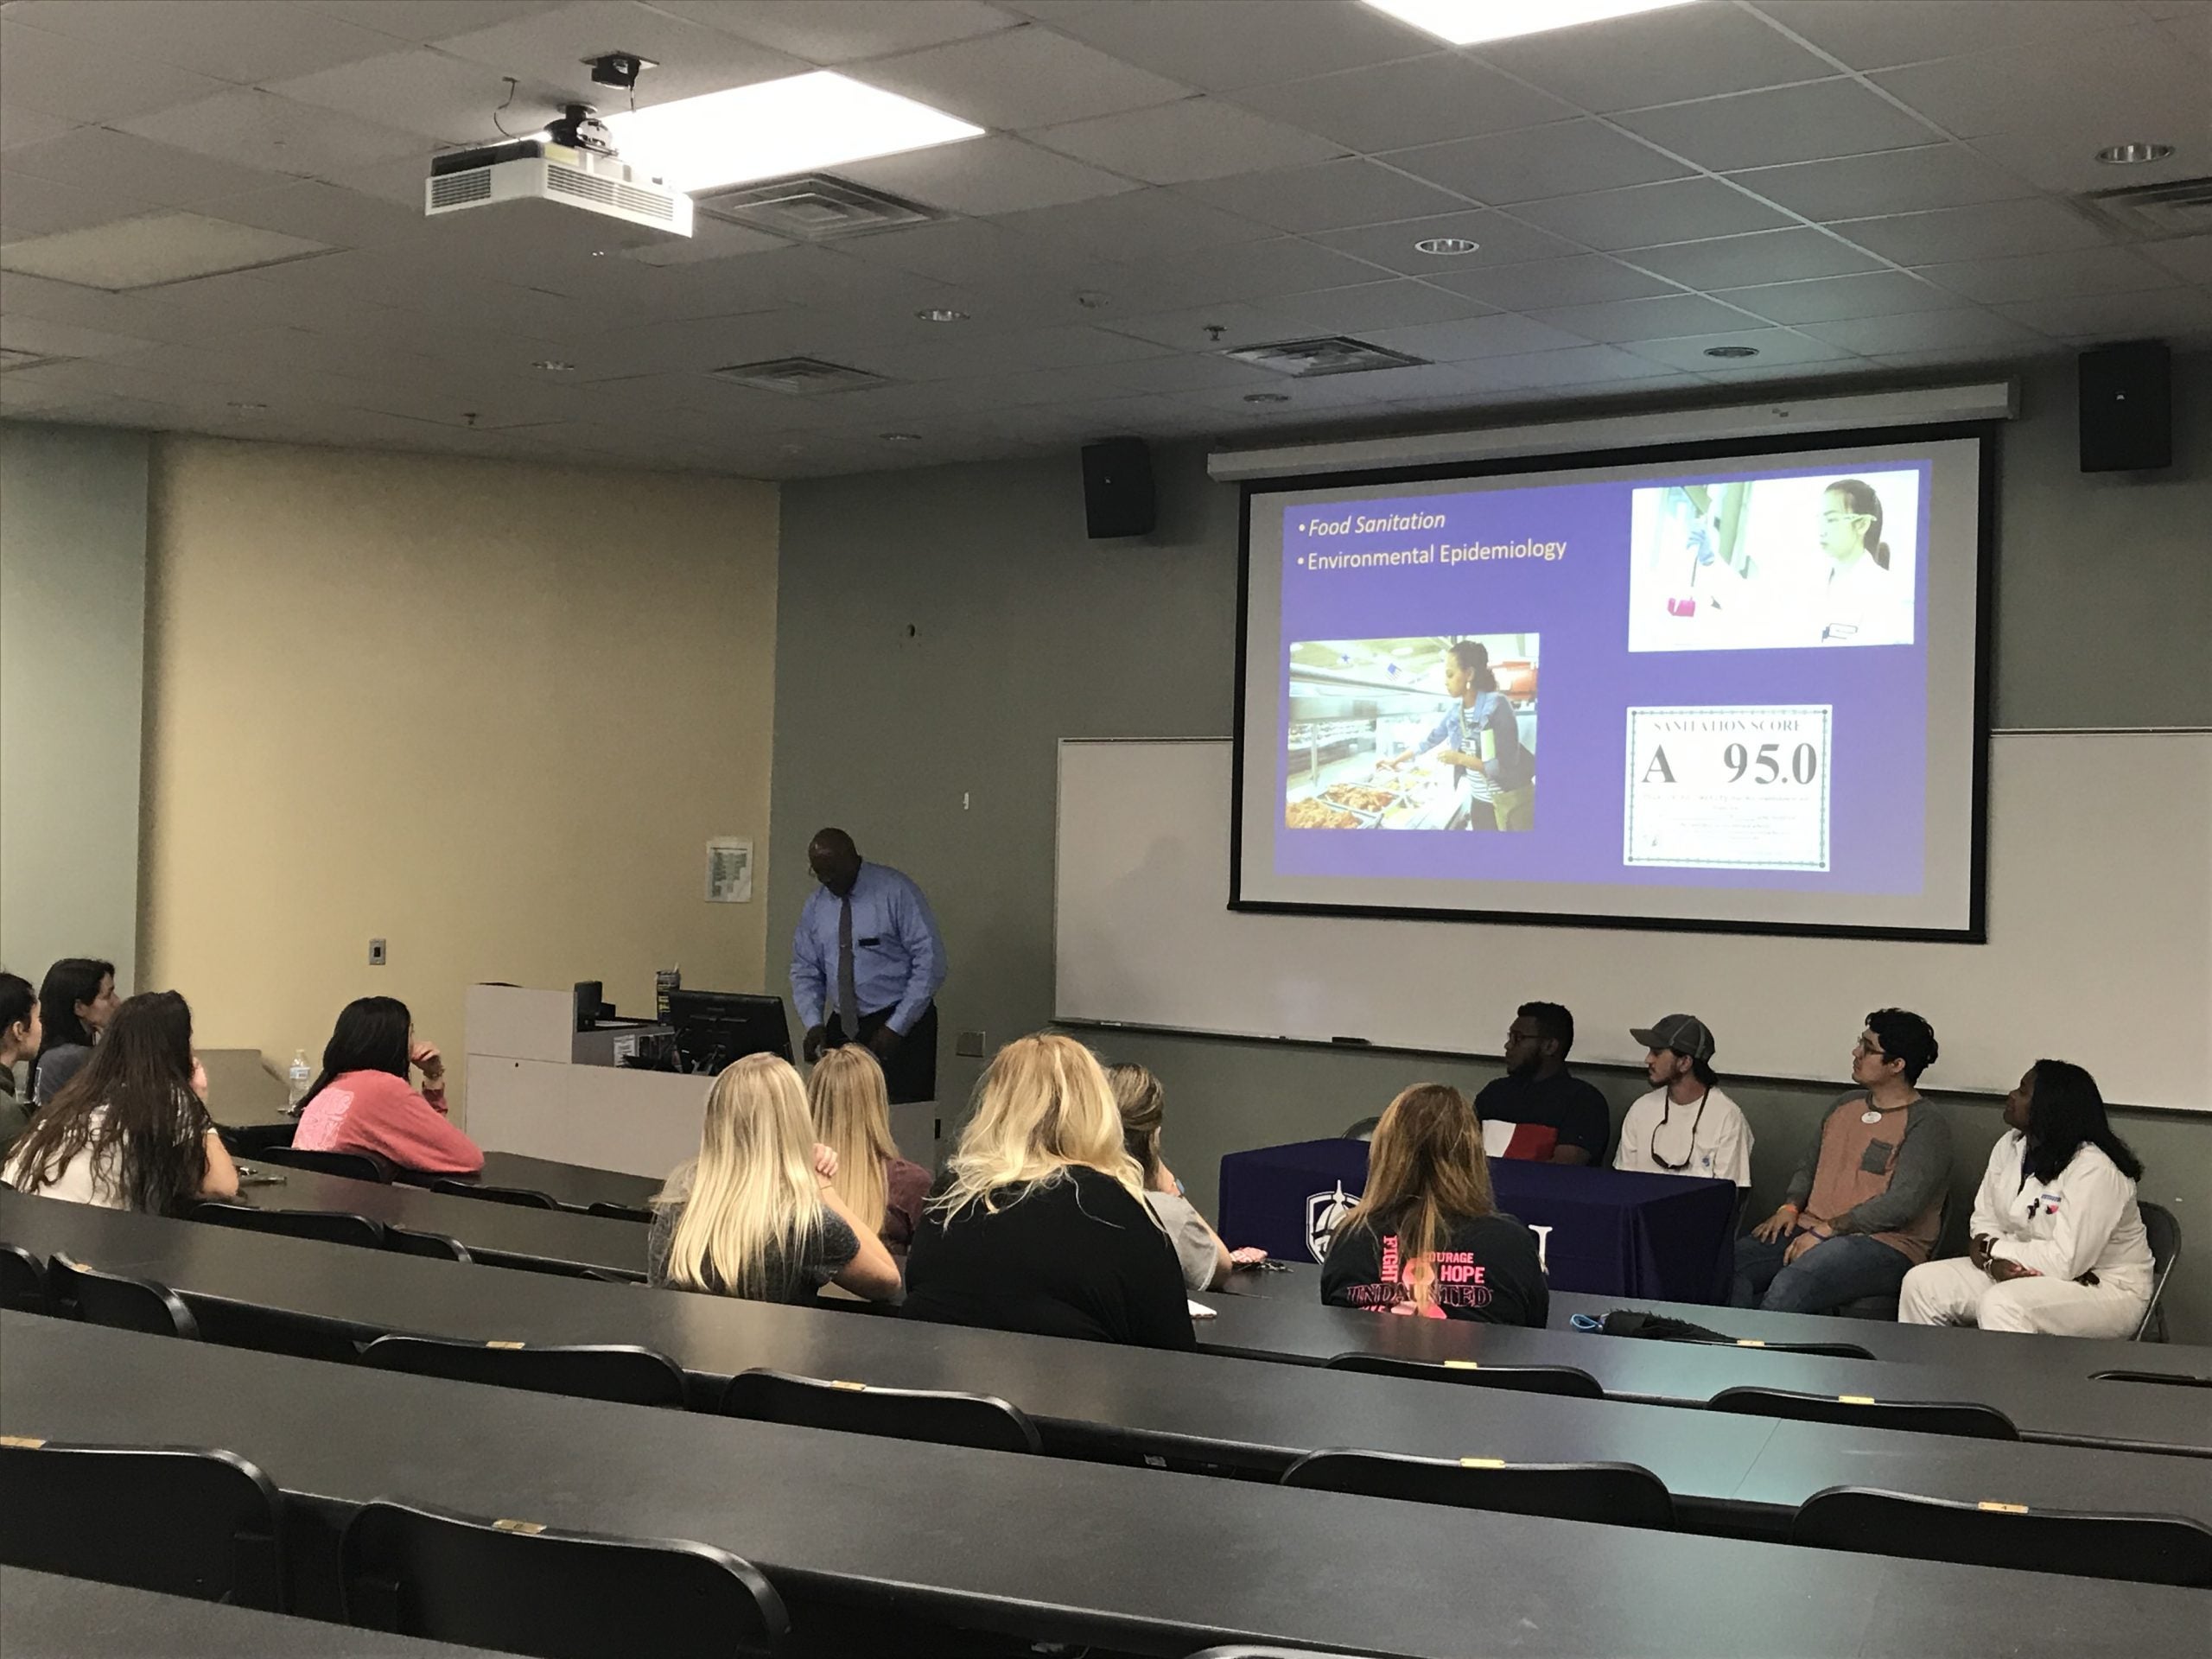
(2100, 910)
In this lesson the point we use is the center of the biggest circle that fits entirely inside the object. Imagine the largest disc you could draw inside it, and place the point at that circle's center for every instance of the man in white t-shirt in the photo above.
(1686, 1125)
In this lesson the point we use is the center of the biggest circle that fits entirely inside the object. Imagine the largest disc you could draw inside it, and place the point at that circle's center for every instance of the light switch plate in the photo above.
(376, 953)
(970, 1046)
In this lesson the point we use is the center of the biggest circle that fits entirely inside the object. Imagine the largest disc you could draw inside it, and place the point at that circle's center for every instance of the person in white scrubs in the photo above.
(2058, 1243)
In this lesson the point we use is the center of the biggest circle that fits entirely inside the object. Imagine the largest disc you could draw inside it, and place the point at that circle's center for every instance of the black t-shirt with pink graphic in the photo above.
(1488, 1269)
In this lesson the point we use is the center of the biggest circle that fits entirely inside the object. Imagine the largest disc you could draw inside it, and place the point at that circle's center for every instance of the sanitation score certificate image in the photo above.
(1728, 788)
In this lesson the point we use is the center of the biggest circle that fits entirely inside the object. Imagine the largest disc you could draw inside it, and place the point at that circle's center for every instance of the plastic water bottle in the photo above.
(300, 1074)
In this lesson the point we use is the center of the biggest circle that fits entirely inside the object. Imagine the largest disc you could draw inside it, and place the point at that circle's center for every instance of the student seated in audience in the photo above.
(2058, 1243)
(1040, 1223)
(360, 1102)
(1427, 1239)
(851, 1107)
(76, 1000)
(757, 1213)
(1205, 1260)
(1687, 1125)
(19, 1030)
(131, 1130)
(1866, 1204)
(1539, 1109)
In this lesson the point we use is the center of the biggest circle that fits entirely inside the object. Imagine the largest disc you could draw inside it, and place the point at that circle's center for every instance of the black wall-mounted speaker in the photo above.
(1117, 488)
(2127, 408)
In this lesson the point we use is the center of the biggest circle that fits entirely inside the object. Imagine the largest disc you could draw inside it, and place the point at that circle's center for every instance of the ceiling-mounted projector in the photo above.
(543, 167)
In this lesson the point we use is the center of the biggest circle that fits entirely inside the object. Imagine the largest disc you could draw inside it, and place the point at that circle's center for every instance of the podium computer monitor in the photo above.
(716, 1028)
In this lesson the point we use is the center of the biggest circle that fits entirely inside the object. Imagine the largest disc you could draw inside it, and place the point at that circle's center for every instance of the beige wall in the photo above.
(488, 712)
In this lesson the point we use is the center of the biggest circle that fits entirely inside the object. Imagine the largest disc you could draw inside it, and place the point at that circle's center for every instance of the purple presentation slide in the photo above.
(1718, 681)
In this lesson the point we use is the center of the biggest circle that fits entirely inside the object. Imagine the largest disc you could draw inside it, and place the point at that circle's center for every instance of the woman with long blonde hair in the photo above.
(1041, 1223)
(1427, 1237)
(756, 1214)
(851, 1106)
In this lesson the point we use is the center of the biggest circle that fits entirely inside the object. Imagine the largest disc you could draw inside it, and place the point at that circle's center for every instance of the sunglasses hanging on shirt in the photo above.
(1688, 1152)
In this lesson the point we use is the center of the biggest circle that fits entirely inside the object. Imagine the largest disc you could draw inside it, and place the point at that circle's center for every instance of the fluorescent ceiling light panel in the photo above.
(156, 249)
(799, 124)
(1468, 23)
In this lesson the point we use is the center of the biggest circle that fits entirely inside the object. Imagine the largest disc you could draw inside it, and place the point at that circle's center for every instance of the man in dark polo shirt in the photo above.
(1554, 1116)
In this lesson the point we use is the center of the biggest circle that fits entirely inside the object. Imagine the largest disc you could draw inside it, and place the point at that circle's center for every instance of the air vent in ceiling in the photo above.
(1333, 354)
(2154, 212)
(814, 208)
(798, 374)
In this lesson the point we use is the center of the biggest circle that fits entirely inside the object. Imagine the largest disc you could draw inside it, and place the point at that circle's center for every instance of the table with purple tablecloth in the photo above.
(1604, 1231)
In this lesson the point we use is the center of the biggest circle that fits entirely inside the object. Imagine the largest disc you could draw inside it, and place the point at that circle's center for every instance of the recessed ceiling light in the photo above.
(554, 365)
(1464, 23)
(1266, 398)
(2134, 154)
(799, 124)
(148, 251)
(940, 313)
(1445, 244)
(1731, 351)
(902, 437)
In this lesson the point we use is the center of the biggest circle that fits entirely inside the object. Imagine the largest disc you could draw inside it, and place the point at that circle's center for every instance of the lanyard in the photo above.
(1667, 1112)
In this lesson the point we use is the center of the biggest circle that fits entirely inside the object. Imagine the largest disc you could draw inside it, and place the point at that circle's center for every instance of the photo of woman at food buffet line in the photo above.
(1421, 733)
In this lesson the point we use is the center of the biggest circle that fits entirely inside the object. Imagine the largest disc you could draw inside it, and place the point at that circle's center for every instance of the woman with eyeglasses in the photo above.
(1687, 1125)
(1861, 602)
(2058, 1243)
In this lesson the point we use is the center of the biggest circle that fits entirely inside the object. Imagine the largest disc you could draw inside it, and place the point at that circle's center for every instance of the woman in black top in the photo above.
(1040, 1224)
(1427, 1237)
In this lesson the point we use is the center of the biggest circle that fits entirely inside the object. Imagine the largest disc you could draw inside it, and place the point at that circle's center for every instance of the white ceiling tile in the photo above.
(1400, 304)
(1175, 144)
(1221, 45)
(2167, 313)
(549, 48)
(1333, 195)
(1501, 240)
(848, 30)
(1984, 232)
(1969, 327)
(2190, 28)
(1681, 210)
(1137, 225)
(1762, 257)
(238, 40)
(1398, 105)
(1878, 34)
(2189, 257)
(1585, 365)
(990, 175)
(1792, 124)
(31, 206)
(424, 21)
(20, 125)
(1776, 347)
(1215, 328)
(94, 158)
(2051, 275)
(1566, 158)
(1584, 279)
(1668, 317)
(1832, 299)
(2075, 85)
(56, 75)
(1023, 78)
(325, 212)
(419, 90)
(1502, 334)
(954, 251)
(261, 129)
(1261, 270)
(1664, 57)
(1887, 181)
(2063, 158)
(21, 334)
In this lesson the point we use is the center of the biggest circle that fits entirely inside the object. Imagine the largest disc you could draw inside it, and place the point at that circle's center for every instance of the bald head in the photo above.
(834, 860)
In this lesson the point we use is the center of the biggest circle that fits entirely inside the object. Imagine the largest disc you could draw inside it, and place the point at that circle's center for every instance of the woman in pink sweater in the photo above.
(361, 1103)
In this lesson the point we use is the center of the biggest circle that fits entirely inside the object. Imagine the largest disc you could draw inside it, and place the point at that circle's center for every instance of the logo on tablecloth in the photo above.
(1324, 1212)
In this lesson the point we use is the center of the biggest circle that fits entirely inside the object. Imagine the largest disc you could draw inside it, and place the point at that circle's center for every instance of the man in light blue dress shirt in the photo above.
(867, 962)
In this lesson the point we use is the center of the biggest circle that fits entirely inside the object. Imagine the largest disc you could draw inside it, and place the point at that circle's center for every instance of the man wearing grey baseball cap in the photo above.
(1686, 1125)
